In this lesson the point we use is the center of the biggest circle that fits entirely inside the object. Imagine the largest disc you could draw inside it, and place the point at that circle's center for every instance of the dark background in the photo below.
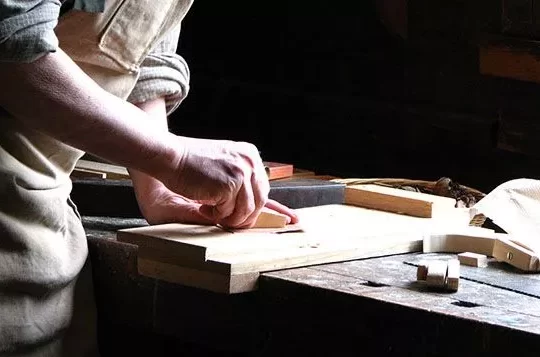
(369, 88)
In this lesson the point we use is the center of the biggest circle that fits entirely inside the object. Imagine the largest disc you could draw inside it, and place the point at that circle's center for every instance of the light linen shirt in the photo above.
(27, 33)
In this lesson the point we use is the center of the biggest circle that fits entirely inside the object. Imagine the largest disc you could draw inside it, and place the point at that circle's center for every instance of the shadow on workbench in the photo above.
(139, 316)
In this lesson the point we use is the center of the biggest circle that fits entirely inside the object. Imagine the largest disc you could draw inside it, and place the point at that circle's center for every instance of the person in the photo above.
(100, 78)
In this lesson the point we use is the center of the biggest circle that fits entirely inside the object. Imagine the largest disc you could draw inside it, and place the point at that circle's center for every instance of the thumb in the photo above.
(191, 214)
(208, 212)
(216, 212)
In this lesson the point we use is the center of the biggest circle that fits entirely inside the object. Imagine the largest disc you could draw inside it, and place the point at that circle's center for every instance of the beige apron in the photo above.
(46, 298)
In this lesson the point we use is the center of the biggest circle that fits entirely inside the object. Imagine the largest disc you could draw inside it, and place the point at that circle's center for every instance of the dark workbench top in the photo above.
(366, 306)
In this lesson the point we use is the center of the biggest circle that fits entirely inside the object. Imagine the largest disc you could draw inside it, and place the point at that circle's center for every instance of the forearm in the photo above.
(143, 183)
(53, 95)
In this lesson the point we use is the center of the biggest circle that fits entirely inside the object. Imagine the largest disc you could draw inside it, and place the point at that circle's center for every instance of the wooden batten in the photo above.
(400, 201)
(111, 171)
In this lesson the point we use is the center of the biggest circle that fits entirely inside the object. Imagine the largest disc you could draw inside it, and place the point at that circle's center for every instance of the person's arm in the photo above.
(46, 91)
(53, 95)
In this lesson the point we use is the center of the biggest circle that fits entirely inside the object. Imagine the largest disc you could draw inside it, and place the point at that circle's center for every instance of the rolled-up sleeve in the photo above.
(27, 29)
(163, 73)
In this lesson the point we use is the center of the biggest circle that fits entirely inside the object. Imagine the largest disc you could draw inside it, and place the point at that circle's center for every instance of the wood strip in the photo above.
(85, 173)
(112, 171)
(398, 201)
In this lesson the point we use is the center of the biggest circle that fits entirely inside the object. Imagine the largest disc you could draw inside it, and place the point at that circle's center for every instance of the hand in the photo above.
(228, 179)
(160, 205)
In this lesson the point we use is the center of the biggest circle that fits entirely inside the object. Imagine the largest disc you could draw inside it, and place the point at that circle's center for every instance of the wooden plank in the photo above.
(327, 223)
(330, 233)
(85, 173)
(396, 200)
(112, 171)
(292, 257)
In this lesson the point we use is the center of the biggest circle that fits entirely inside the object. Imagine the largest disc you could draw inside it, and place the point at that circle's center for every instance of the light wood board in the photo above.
(212, 258)
(111, 171)
(399, 201)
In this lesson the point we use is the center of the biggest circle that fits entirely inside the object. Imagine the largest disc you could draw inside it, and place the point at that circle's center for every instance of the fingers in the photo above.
(250, 199)
(245, 205)
(230, 180)
(261, 188)
(278, 207)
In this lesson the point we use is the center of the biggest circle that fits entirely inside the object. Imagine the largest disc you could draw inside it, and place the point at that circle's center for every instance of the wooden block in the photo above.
(439, 274)
(452, 275)
(436, 273)
(516, 255)
(84, 173)
(421, 272)
(270, 219)
(398, 201)
(114, 172)
(473, 259)
(277, 170)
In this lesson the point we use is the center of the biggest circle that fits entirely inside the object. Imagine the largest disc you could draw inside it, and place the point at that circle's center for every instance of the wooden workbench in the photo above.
(372, 306)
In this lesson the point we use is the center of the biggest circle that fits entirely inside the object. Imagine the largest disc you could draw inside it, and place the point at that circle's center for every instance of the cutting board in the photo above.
(212, 258)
